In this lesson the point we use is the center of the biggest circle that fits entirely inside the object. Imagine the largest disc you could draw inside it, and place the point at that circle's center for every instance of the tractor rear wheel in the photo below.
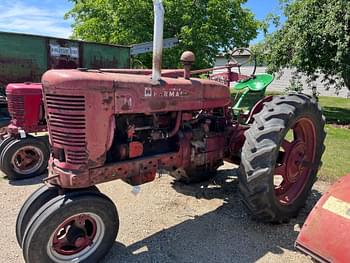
(25, 158)
(281, 156)
(74, 227)
(35, 201)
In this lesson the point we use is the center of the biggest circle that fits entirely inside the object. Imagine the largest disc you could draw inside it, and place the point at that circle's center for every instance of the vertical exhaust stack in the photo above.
(157, 40)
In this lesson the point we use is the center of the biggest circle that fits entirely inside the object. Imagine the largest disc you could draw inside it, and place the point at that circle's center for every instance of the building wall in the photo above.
(283, 82)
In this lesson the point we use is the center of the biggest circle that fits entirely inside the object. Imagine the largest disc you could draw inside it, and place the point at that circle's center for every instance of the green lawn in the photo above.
(336, 110)
(336, 158)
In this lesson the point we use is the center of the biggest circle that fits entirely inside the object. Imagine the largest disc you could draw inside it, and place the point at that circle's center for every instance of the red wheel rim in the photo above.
(294, 162)
(74, 235)
(27, 159)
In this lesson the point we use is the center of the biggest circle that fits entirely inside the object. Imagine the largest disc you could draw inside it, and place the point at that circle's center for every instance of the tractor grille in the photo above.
(16, 108)
(66, 118)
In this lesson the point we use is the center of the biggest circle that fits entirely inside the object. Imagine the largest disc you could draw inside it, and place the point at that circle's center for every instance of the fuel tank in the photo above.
(135, 93)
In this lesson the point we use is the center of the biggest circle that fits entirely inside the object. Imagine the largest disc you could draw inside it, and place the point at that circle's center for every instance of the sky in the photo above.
(261, 8)
(39, 17)
(45, 17)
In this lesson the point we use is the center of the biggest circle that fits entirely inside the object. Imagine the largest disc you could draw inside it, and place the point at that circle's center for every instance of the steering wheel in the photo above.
(243, 52)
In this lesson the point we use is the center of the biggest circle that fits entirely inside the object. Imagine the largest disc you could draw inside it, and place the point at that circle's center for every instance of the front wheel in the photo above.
(35, 201)
(5, 142)
(25, 158)
(281, 156)
(74, 227)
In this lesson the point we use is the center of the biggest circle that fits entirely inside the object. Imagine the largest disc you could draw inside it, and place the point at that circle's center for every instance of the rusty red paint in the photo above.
(169, 73)
(325, 234)
(257, 108)
(135, 149)
(74, 235)
(296, 152)
(24, 104)
(83, 130)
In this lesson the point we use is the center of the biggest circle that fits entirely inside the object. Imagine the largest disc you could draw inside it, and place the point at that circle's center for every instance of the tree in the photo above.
(203, 26)
(315, 39)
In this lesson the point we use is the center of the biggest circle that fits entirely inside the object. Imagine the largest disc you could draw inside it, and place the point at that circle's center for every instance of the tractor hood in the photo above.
(137, 93)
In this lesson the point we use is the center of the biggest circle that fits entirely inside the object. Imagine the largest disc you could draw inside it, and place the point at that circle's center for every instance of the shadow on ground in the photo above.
(30, 181)
(223, 235)
(337, 115)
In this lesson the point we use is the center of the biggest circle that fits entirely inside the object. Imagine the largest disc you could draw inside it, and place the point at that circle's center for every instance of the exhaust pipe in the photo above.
(157, 40)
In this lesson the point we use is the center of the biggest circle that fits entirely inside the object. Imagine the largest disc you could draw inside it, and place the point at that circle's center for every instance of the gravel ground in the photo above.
(172, 222)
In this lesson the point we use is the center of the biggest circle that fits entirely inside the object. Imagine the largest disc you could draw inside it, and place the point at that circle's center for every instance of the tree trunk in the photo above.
(347, 81)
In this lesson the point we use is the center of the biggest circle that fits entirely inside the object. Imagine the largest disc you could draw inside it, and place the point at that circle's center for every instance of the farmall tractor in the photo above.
(23, 155)
(105, 126)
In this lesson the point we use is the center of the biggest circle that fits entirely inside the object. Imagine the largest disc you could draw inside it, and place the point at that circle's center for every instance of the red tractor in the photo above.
(21, 154)
(105, 126)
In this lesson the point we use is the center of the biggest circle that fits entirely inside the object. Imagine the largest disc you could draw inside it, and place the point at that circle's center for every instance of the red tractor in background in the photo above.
(105, 125)
(21, 154)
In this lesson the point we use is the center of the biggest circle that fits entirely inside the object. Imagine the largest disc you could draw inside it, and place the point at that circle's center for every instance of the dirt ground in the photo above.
(172, 222)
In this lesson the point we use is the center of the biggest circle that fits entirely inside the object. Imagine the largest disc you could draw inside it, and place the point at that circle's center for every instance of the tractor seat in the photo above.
(257, 82)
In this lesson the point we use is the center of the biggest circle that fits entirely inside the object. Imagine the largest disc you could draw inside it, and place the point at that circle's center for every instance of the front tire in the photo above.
(278, 167)
(75, 227)
(25, 158)
(34, 202)
(4, 143)
(37, 200)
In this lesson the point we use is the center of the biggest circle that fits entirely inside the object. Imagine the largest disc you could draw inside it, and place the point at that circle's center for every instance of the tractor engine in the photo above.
(105, 126)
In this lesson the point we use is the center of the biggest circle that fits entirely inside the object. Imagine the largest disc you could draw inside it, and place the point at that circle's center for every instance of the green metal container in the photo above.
(105, 56)
(24, 58)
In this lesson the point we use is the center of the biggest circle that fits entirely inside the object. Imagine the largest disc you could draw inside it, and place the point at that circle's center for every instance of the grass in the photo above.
(336, 158)
(336, 110)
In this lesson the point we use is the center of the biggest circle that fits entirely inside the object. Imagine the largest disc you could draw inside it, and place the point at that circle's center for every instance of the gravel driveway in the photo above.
(172, 222)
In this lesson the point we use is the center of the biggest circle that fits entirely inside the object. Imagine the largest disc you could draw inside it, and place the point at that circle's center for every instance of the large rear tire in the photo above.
(74, 227)
(281, 157)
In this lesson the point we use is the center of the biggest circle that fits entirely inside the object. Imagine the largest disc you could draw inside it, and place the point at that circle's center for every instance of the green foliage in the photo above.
(203, 26)
(315, 39)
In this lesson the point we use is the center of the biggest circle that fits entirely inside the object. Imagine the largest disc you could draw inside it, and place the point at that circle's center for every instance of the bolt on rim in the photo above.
(76, 238)
(294, 162)
(27, 159)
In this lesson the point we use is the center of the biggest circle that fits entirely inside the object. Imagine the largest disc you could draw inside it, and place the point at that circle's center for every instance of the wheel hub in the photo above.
(27, 159)
(295, 160)
(74, 235)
